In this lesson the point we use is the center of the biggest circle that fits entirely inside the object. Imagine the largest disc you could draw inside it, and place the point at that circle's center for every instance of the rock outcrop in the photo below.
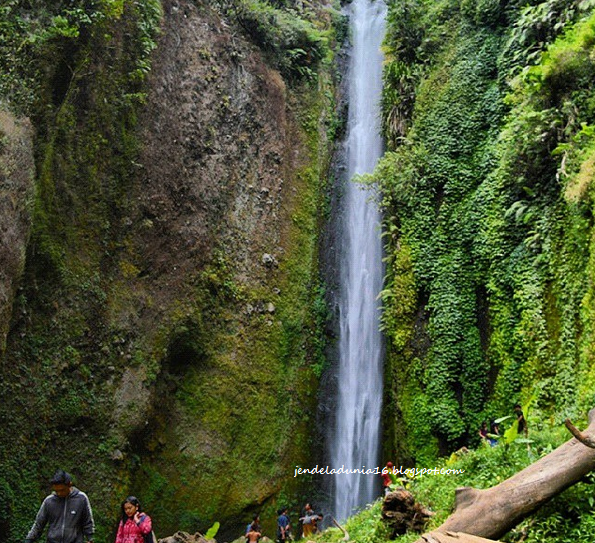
(17, 169)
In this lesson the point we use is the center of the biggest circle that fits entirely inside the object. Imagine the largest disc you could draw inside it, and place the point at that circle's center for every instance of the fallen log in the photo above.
(492, 512)
(453, 537)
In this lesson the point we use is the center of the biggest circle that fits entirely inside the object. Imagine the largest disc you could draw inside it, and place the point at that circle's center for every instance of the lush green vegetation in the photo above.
(293, 35)
(488, 113)
(40, 39)
(567, 518)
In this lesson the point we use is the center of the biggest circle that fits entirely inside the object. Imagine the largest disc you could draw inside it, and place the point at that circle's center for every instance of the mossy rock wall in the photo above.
(165, 340)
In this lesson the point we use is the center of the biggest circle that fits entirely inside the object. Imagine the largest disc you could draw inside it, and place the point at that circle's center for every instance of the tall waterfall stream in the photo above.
(356, 439)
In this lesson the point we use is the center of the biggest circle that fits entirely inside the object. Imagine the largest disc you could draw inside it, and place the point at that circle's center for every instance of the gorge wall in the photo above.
(164, 338)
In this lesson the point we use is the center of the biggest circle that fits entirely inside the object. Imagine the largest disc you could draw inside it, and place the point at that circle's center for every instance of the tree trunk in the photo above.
(493, 512)
(453, 537)
(402, 513)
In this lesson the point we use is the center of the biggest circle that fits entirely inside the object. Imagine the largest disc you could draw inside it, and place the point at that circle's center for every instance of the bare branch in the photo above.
(581, 436)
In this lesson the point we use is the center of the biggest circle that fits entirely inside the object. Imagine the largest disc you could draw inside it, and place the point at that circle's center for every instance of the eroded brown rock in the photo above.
(16, 191)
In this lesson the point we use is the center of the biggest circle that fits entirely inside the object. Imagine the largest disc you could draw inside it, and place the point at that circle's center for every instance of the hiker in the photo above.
(315, 520)
(66, 511)
(254, 525)
(283, 526)
(494, 434)
(386, 477)
(306, 519)
(483, 431)
(134, 525)
(309, 521)
(522, 429)
(253, 536)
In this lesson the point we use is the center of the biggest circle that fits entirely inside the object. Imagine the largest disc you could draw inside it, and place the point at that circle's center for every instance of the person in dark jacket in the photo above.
(66, 512)
(522, 429)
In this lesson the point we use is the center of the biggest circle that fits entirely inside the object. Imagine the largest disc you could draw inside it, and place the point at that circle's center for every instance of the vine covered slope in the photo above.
(488, 110)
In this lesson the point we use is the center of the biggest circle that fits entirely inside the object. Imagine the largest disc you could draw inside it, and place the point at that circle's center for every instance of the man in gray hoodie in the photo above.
(66, 511)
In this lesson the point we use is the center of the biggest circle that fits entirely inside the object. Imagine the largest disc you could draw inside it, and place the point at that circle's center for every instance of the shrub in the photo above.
(293, 43)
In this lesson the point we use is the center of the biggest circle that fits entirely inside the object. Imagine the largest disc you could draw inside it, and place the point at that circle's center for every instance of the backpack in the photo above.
(150, 537)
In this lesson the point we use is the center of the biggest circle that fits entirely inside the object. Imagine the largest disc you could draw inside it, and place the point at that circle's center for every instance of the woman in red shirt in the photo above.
(134, 525)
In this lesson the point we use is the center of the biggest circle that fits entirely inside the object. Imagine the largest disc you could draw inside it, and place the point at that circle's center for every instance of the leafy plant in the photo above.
(212, 531)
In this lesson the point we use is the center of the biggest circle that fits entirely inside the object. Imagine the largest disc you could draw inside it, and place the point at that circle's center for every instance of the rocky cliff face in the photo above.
(16, 191)
(163, 344)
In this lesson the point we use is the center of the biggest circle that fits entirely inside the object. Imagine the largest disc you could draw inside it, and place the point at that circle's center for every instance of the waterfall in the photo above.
(356, 439)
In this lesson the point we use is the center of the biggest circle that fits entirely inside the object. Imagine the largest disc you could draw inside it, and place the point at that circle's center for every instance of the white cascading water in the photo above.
(356, 441)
